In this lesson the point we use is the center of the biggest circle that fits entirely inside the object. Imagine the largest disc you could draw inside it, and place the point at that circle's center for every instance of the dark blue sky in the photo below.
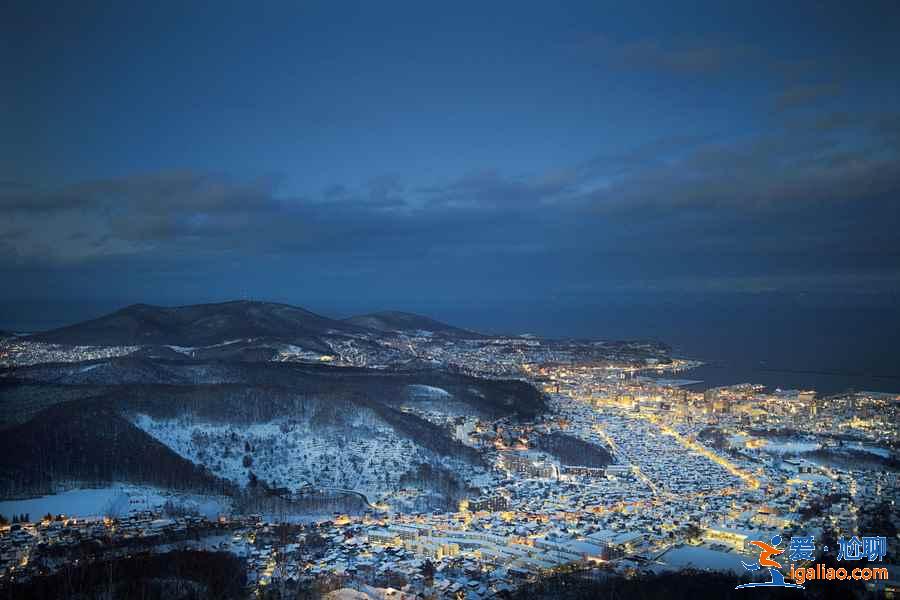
(563, 160)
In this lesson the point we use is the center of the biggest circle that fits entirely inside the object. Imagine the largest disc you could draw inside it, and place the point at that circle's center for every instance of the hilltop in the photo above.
(396, 321)
(206, 325)
(199, 325)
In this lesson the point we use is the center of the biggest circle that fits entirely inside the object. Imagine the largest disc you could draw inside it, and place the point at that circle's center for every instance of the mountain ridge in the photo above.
(395, 320)
(197, 325)
(208, 324)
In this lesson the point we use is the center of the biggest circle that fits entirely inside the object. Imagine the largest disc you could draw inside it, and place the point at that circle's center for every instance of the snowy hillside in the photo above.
(363, 453)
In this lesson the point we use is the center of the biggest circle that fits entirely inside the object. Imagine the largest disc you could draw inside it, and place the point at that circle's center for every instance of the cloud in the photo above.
(770, 173)
(386, 191)
(678, 57)
(805, 95)
(822, 122)
(749, 213)
(131, 214)
(887, 127)
(335, 192)
(859, 282)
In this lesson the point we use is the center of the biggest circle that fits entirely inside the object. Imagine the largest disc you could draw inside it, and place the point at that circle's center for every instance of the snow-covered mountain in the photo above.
(200, 325)
(284, 429)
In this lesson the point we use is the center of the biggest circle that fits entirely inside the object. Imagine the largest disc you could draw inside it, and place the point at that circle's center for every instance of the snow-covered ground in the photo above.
(802, 445)
(426, 392)
(876, 450)
(113, 501)
(291, 352)
(791, 446)
(427, 401)
(186, 350)
(701, 557)
(363, 453)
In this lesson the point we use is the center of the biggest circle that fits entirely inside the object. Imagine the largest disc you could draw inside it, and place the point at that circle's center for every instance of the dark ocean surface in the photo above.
(789, 345)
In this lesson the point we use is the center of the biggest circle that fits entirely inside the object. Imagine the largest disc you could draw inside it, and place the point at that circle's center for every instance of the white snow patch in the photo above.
(186, 350)
(427, 392)
(790, 446)
(114, 501)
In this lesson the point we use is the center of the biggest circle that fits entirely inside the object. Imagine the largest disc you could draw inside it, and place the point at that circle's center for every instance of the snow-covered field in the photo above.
(876, 450)
(791, 446)
(425, 399)
(112, 501)
(701, 557)
(804, 445)
(427, 392)
(363, 453)
(291, 352)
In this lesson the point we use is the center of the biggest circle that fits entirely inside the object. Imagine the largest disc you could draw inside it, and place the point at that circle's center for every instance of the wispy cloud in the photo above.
(681, 57)
(806, 95)
(648, 213)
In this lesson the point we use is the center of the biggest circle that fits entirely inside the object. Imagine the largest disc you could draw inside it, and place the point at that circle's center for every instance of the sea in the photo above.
(787, 345)
(826, 350)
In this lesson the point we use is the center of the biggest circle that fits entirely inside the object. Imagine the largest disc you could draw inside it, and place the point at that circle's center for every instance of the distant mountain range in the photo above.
(406, 322)
(210, 324)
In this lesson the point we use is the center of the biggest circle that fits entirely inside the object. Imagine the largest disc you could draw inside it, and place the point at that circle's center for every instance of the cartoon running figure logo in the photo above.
(767, 551)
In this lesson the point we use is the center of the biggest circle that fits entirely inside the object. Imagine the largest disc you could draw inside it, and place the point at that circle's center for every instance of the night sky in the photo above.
(498, 165)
